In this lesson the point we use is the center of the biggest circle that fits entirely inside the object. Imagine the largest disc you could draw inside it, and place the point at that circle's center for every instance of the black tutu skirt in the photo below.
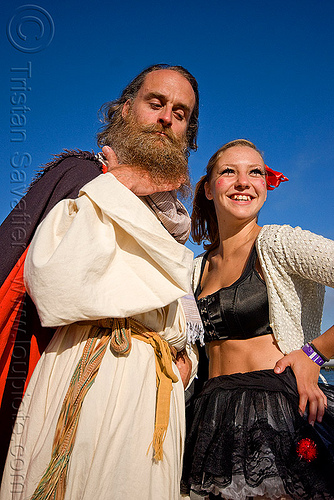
(248, 438)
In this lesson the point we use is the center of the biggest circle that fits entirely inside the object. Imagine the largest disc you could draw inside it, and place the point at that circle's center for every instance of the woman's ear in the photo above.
(207, 190)
(126, 109)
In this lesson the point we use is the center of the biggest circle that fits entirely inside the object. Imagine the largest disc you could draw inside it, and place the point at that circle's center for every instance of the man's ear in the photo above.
(207, 191)
(126, 109)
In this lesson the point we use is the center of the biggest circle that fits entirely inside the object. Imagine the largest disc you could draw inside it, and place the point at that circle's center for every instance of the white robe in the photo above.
(103, 255)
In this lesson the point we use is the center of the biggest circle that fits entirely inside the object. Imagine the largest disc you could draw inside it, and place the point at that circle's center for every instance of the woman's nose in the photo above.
(242, 180)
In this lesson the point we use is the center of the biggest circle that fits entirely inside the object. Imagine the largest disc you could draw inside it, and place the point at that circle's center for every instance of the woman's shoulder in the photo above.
(276, 233)
(296, 249)
(272, 230)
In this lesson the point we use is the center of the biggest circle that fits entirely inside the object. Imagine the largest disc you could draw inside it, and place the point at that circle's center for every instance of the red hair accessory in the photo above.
(274, 178)
(307, 450)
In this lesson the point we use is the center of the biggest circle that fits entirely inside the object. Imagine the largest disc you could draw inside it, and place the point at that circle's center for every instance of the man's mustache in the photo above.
(154, 129)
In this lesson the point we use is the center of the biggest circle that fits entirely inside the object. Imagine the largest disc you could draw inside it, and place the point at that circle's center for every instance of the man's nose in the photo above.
(165, 117)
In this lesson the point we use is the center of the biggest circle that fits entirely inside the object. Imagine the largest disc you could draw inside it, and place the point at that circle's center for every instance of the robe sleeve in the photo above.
(104, 254)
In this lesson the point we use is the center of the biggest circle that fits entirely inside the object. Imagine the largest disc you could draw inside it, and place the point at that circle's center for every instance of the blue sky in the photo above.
(264, 67)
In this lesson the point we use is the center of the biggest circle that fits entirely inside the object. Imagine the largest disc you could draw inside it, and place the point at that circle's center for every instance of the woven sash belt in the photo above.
(119, 332)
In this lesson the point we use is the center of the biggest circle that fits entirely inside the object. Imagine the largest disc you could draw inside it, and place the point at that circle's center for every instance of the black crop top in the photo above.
(239, 311)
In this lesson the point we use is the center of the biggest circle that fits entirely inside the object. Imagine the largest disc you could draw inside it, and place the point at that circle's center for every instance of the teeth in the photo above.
(241, 197)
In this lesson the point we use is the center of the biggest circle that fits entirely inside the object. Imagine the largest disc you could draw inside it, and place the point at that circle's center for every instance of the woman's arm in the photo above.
(310, 256)
(307, 375)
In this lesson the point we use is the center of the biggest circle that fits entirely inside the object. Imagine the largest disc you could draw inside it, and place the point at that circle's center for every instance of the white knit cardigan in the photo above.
(296, 264)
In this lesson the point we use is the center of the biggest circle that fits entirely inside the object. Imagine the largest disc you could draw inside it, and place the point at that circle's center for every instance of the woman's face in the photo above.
(238, 185)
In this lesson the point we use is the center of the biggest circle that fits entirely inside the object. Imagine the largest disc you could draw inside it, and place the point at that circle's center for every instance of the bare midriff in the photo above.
(240, 356)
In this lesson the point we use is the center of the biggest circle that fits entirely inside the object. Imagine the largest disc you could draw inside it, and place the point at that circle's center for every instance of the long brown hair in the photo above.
(204, 224)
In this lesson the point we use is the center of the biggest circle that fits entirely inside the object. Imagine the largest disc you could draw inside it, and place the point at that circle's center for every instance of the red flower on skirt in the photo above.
(307, 450)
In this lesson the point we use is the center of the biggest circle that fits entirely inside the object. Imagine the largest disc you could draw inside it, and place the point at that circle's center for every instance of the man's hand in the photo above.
(136, 178)
(307, 375)
(184, 366)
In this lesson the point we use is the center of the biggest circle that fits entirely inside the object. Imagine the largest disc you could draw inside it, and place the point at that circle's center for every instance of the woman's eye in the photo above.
(227, 171)
(256, 172)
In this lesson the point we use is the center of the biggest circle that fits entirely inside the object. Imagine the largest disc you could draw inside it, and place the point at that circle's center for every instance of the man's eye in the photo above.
(155, 105)
(179, 115)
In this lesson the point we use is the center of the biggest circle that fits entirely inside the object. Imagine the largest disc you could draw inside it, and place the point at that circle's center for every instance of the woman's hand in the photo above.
(135, 178)
(307, 375)
(184, 366)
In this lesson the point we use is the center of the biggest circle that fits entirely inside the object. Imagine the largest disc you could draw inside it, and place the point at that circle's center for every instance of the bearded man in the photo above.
(103, 414)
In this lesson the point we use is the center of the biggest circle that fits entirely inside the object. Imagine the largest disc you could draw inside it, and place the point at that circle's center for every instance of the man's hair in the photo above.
(112, 111)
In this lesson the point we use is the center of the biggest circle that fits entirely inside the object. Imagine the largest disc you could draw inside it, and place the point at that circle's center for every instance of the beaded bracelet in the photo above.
(312, 352)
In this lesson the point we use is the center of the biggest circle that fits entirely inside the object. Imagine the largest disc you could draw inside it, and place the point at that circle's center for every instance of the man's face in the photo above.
(166, 99)
(151, 131)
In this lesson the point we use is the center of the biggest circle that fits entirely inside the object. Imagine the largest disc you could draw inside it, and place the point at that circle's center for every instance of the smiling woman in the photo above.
(260, 295)
(204, 218)
(237, 184)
